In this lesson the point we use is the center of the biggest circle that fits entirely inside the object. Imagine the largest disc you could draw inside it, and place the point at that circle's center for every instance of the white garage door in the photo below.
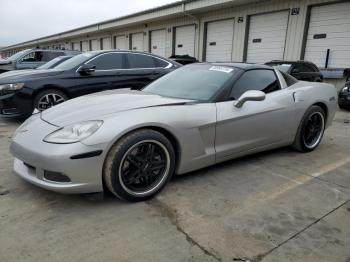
(329, 29)
(106, 43)
(120, 42)
(137, 41)
(267, 37)
(185, 38)
(85, 46)
(95, 44)
(158, 38)
(219, 44)
(76, 46)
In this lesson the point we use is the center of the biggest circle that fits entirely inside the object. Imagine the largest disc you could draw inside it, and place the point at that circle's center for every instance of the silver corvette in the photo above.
(132, 142)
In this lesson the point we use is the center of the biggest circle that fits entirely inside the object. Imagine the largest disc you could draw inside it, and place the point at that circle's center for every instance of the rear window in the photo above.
(288, 78)
(140, 61)
(282, 67)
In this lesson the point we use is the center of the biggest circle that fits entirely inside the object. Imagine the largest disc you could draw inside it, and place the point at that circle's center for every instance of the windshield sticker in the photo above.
(226, 70)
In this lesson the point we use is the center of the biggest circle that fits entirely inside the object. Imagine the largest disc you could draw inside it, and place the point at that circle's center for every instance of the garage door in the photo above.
(120, 42)
(267, 37)
(76, 46)
(95, 44)
(137, 41)
(329, 29)
(219, 44)
(106, 43)
(85, 46)
(158, 39)
(185, 38)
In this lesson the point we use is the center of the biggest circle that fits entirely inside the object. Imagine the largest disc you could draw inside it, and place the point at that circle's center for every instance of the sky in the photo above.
(23, 20)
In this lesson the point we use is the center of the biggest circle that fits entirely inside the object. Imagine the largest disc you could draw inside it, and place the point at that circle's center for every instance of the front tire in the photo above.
(139, 165)
(311, 130)
(49, 98)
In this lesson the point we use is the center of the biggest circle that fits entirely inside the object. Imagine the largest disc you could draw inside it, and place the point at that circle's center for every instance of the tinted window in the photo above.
(48, 56)
(74, 61)
(289, 79)
(108, 61)
(161, 63)
(140, 61)
(262, 80)
(304, 68)
(33, 57)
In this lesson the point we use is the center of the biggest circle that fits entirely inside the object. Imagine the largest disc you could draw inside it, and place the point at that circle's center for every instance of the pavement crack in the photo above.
(170, 213)
(262, 256)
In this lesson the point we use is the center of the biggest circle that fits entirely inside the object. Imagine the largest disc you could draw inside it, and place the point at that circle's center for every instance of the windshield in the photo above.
(18, 55)
(53, 62)
(282, 67)
(195, 82)
(74, 61)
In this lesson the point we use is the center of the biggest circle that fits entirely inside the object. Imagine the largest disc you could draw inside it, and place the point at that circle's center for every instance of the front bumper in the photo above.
(15, 105)
(344, 99)
(34, 158)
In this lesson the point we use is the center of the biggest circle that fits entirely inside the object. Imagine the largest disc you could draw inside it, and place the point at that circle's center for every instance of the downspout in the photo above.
(197, 24)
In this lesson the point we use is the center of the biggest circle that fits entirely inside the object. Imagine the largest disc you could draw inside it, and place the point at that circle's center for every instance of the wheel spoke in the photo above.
(135, 161)
(150, 151)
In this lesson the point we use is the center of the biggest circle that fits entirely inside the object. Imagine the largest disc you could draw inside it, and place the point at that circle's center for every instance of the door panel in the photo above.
(255, 125)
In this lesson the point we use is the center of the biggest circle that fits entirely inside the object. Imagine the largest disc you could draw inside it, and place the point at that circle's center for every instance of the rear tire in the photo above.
(139, 165)
(311, 130)
(49, 98)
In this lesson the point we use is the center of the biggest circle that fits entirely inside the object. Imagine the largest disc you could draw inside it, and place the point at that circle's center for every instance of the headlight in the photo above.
(11, 87)
(346, 88)
(73, 133)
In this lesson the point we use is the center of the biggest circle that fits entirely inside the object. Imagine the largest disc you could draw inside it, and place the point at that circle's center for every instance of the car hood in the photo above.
(5, 62)
(98, 105)
(24, 75)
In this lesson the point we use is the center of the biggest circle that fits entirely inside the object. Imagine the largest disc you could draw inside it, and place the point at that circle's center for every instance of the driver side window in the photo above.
(258, 79)
(32, 57)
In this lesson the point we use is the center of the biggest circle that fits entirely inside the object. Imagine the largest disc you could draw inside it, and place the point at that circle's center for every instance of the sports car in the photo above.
(132, 142)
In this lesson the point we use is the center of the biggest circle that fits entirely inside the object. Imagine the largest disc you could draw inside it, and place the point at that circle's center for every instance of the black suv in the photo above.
(301, 70)
(344, 94)
(32, 58)
(23, 91)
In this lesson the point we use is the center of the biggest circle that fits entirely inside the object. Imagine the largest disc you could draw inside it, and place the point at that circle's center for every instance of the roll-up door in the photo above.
(76, 46)
(158, 39)
(95, 44)
(120, 42)
(267, 37)
(137, 42)
(106, 43)
(219, 41)
(185, 38)
(85, 46)
(329, 28)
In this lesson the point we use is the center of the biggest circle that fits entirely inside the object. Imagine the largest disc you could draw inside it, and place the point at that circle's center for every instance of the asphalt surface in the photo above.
(279, 205)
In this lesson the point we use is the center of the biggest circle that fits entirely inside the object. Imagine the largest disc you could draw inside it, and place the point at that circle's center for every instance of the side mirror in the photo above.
(251, 95)
(87, 69)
